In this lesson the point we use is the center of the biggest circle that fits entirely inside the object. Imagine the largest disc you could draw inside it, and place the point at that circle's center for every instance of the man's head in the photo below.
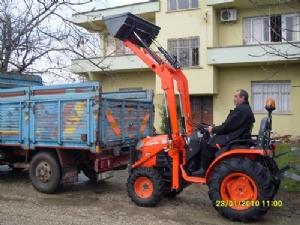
(240, 97)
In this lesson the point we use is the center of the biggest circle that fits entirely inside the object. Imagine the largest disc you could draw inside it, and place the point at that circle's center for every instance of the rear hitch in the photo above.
(282, 173)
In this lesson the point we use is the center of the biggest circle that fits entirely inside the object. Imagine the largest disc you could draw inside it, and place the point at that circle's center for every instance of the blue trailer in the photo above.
(57, 131)
(12, 80)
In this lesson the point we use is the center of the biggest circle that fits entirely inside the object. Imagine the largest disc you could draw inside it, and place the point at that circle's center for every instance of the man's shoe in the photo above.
(199, 173)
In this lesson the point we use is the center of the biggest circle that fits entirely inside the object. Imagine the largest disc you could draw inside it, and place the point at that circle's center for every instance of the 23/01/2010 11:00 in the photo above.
(248, 203)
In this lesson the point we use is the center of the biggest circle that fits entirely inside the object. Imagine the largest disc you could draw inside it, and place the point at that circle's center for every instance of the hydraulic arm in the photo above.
(138, 34)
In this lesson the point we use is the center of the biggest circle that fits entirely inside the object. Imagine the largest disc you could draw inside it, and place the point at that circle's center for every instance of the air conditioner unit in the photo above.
(228, 15)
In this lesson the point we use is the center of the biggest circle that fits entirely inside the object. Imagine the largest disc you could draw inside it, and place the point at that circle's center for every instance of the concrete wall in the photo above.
(205, 79)
(188, 23)
(231, 79)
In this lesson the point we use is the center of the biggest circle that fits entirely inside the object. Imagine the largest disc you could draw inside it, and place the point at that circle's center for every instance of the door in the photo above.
(202, 109)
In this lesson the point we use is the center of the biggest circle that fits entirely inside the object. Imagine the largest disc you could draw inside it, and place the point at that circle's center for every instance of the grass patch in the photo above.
(288, 184)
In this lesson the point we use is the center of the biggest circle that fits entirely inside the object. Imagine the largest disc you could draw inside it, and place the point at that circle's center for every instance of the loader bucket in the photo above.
(123, 25)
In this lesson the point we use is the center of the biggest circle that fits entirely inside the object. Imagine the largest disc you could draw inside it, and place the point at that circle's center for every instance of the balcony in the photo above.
(222, 4)
(250, 54)
(218, 2)
(100, 65)
(93, 20)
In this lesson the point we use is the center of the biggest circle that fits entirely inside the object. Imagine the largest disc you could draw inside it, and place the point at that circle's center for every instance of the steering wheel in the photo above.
(203, 126)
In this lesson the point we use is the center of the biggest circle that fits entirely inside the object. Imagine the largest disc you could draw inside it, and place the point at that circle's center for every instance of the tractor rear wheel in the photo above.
(145, 186)
(273, 168)
(241, 189)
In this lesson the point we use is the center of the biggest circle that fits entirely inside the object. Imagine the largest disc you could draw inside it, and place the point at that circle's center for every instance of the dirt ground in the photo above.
(87, 202)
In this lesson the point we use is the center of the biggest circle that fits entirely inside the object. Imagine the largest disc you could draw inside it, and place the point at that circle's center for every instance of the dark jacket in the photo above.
(236, 124)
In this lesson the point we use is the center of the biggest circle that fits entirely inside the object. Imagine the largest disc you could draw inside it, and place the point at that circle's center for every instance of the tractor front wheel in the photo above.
(145, 186)
(239, 189)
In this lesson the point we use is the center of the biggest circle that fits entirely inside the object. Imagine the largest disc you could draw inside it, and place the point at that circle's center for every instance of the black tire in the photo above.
(145, 186)
(89, 172)
(45, 172)
(170, 193)
(248, 178)
(273, 168)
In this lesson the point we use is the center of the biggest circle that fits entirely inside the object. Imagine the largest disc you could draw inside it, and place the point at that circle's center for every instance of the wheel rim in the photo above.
(43, 172)
(143, 187)
(239, 191)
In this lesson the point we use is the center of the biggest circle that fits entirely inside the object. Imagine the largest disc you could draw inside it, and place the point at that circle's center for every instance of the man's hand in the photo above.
(210, 129)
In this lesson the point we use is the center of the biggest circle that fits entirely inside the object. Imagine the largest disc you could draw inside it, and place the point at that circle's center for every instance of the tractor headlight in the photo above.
(139, 145)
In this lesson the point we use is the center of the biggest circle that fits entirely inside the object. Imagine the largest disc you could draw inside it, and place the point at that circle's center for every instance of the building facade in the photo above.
(221, 45)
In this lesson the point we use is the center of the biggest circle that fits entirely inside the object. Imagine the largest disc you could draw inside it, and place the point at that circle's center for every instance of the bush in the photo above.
(163, 115)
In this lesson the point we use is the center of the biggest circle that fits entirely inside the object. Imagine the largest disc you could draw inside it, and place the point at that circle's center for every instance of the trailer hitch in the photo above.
(282, 173)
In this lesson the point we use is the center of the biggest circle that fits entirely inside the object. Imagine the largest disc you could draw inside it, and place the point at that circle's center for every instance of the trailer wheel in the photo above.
(145, 186)
(45, 172)
(88, 172)
(240, 189)
(170, 193)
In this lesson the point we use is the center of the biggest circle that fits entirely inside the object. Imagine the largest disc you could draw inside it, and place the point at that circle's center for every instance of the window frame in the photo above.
(282, 27)
(281, 94)
(190, 2)
(283, 17)
(191, 47)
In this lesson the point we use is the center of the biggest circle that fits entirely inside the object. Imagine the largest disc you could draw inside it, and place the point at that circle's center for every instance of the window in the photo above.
(195, 103)
(186, 50)
(280, 91)
(207, 103)
(291, 27)
(174, 5)
(277, 28)
(115, 47)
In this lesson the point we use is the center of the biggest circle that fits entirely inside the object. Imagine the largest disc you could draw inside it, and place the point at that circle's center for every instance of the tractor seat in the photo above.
(245, 142)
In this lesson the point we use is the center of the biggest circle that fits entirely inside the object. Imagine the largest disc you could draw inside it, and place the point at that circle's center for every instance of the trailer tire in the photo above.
(45, 172)
(145, 186)
(88, 172)
(240, 188)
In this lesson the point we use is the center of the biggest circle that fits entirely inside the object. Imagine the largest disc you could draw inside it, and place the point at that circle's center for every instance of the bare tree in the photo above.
(37, 37)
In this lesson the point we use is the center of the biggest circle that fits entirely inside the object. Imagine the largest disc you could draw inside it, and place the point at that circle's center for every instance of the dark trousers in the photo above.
(207, 155)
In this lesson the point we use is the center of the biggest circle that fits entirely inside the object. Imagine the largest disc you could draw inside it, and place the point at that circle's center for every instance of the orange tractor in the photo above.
(243, 179)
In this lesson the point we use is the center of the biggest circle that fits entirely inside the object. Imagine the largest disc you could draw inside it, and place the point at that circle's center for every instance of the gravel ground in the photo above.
(92, 203)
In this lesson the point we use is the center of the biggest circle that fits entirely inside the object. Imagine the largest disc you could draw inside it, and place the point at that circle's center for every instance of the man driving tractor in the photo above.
(238, 122)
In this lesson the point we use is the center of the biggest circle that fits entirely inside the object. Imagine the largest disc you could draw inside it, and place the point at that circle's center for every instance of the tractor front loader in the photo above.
(242, 180)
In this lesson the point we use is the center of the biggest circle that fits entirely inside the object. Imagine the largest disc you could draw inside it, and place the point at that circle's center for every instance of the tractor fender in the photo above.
(249, 153)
